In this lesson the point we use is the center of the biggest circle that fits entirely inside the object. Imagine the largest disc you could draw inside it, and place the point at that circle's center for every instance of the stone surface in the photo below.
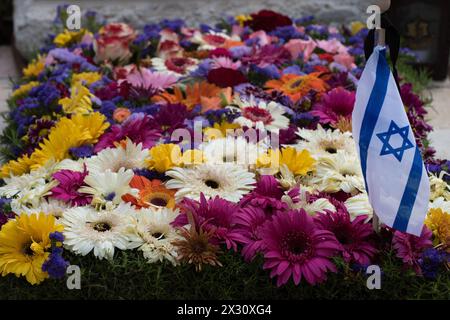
(33, 18)
(8, 71)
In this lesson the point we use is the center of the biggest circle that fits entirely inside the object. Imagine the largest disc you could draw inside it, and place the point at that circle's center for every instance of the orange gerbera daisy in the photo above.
(208, 95)
(151, 193)
(296, 86)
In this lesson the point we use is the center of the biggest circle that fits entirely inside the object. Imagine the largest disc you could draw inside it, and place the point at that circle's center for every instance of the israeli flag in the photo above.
(396, 178)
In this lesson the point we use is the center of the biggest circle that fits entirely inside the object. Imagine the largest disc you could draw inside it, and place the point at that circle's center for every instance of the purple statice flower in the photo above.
(84, 151)
(409, 247)
(55, 265)
(139, 128)
(214, 215)
(64, 55)
(249, 221)
(432, 261)
(287, 33)
(267, 195)
(56, 236)
(172, 24)
(151, 174)
(353, 236)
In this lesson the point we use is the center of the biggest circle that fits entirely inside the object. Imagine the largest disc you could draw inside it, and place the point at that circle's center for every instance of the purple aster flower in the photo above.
(83, 151)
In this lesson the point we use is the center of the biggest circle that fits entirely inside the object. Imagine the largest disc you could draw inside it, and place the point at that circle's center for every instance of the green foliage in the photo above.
(129, 276)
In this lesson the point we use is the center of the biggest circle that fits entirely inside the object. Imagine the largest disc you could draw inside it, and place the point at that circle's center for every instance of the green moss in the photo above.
(130, 277)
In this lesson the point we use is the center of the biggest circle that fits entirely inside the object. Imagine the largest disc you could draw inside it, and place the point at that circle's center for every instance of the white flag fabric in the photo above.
(396, 178)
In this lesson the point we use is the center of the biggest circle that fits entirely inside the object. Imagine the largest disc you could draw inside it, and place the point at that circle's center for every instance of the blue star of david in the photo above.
(387, 147)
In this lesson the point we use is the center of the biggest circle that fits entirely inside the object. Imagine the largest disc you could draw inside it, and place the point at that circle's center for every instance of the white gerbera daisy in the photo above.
(177, 66)
(261, 115)
(48, 206)
(154, 235)
(129, 157)
(211, 40)
(229, 181)
(340, 171)
(107, 188)
(440, 203)
(359, 205)
(311, 207)
(232, 150)
(28, 189)
(323, 142)
(86, 229)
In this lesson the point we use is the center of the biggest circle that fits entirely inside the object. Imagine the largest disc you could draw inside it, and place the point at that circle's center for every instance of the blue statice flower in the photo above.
(287, 33)
(83, 151)
(174, 24)
(431, 261)
(64, 55)
(55, 265)
(304, 20)
(151, 174)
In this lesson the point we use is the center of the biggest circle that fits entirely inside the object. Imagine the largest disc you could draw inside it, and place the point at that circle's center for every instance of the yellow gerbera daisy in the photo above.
(79, 101)
(24, 89)
(86, 78)
(439, 223)
(66, 134)
(67, 37)
(298, 162)
(219, 130)
(164, 157)
(242, 18)
(24, 245)
(16, 167)
(35, 67)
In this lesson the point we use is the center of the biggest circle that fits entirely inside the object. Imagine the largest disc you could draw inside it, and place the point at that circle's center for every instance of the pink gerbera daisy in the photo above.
(139, 128)
(67, 189)
(249, 222)
(410, 247)
(295, 246)
(215, 215)
(144, 78)
(353, 236)
(267, 195)
(334, 106)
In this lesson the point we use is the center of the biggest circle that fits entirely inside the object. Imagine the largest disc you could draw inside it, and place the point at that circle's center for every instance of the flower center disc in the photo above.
(256, 114)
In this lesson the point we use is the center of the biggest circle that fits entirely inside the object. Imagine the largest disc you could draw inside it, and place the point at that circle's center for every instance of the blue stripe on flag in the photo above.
(410, 193)
(373, 109)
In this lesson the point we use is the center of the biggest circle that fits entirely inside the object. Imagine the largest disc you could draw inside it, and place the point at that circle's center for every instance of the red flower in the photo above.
(267, 20)
(225, 77)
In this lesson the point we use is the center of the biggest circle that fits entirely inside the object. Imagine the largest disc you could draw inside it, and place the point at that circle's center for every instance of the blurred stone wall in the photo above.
(33, 18)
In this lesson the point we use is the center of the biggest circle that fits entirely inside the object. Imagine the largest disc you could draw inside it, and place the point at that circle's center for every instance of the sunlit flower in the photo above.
(25, 244)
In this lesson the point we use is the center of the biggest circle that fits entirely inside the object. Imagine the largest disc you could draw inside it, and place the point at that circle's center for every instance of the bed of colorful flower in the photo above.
(186, 145)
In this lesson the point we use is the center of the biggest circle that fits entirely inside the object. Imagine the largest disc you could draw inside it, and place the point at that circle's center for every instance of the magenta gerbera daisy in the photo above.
(249, 222)
(410, 247)
(295, 246)
(139, 128)
(67, 189)
(334, 106)
(267, 195)
(215, 215)
(353, 236)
